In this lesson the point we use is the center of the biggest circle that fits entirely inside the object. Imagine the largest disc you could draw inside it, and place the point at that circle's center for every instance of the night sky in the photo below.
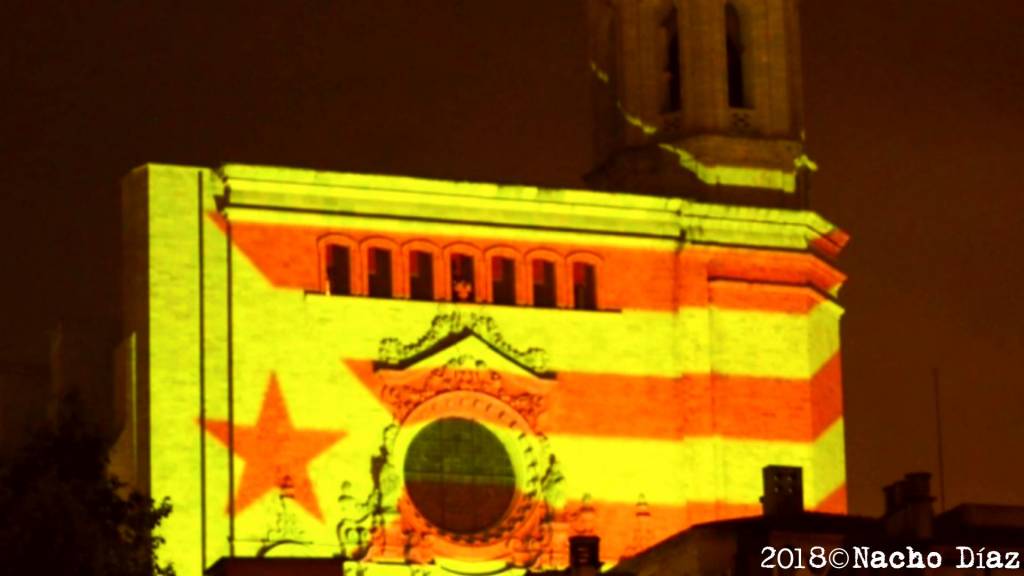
(915, 114)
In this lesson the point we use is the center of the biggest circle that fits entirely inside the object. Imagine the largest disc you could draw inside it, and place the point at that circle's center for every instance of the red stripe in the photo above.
(626, 529)
(735, 295)
(826, 396)
(631, 278)
(740, 407)
(621, 529)
(775, 267)
(831, 244)
(763, 408)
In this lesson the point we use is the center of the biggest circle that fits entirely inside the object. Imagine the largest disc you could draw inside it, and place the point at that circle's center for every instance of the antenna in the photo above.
(938, 428)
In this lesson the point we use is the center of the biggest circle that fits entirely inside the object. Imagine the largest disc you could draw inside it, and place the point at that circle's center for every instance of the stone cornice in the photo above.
(263, 188)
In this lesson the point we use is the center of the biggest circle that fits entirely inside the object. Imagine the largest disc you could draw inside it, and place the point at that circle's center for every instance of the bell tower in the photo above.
(699, 99)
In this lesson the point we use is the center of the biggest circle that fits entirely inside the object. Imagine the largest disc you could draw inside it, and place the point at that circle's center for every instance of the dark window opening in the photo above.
(463, 284)
(503, 280)
(421, 275)
(584, 286)
(544, 284)
(734, 48)
(339, 280)
(671, 72)
(379, 272)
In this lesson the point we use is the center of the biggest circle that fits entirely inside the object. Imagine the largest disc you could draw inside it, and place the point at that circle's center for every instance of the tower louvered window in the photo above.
(736, 59)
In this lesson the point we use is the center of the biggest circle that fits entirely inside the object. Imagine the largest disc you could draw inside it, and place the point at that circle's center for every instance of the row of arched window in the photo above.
(459, 272)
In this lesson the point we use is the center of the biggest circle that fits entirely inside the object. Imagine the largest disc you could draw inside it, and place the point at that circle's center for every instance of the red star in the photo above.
(276, 454)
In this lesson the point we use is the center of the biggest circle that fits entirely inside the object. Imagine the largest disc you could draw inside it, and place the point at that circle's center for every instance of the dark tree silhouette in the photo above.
(60, 513)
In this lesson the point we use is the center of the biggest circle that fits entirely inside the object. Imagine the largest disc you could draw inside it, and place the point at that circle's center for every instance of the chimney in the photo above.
(584, 555)
(908, 507)
(894, 500)
(783, 491)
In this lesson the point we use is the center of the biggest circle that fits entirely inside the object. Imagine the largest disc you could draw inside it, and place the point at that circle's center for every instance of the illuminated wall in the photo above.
(650, 357)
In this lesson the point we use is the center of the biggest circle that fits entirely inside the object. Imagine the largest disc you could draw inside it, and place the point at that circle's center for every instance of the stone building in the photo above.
(425, 376)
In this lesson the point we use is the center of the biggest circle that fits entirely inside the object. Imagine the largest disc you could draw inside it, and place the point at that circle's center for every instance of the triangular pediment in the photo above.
(469, 346)
(463, 338)
(462, 352)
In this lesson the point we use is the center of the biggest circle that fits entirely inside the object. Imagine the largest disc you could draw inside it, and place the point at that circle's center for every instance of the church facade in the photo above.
(425, 376)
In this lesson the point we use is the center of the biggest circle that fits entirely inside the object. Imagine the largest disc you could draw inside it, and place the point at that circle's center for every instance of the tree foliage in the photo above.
(60, 513)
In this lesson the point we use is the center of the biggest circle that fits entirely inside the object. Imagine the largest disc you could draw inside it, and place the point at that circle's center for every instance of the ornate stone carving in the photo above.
(462, 373)
(355, 528)
(387, 524)
(284, 530)
(393, 352)
(361, 520)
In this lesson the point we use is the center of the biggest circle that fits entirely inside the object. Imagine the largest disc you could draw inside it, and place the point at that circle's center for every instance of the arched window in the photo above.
(584, 272)
(379, 258)
(421, 275)
(378, 272)
(339, 265)
(584, 286)
(338, 273)
(671, 73)
(463, 277)
(463, 269)
(735, 58)
(505, 279)
(545, 284)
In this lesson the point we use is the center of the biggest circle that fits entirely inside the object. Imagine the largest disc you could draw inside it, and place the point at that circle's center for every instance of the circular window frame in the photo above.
(515, 435)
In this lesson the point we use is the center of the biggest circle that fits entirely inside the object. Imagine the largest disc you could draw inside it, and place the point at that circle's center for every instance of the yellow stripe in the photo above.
(173, 356)
(828, 466)
(453, 230)
(618, 470)
(771, 344)
(254, 177)
(696, 469)
(546, 208)
(823, 327)
(733, 175)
